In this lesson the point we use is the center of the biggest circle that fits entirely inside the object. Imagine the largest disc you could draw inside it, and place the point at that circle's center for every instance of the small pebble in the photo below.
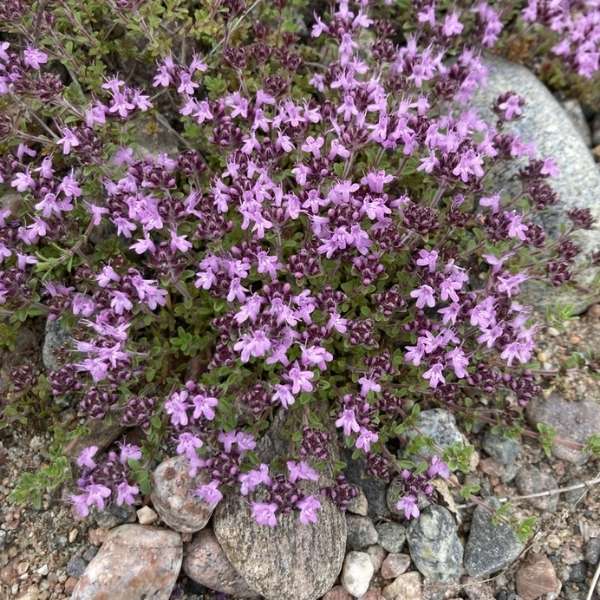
(75, 567)
(73, 535)
(43, 570)
(146, 515)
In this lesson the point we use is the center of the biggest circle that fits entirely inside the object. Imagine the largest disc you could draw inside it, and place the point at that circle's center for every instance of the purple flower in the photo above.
(68, 141)
(264, 513)
(80, 504)
(348, 422)
(368, 385)
(309, 505)
(177, 406)
(301, 471)
(300, 380)
(210, 493)
(428, 259)
(204, 406)
(424, 296)
(438, 468)
(129, 452)
(252, 479)
(365, 439)
(97, 494)
(85, 458)
(34, 58)
(253, 344)
(409, 505)
(434, 375)
(126, 493)
(187, 444)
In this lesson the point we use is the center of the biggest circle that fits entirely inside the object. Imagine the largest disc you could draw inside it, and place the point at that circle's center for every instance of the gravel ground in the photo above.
(42, 553)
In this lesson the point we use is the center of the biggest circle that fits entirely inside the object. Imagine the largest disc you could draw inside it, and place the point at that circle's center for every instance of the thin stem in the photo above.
(552, 492)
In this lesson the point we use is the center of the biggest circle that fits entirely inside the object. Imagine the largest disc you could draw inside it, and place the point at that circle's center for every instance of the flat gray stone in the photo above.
(504, 450)
(134, 563)
(530, 480)
(439, 425)
(373, 489)
(434, 545)
(292, 561)
(574, 111)
(573, 421)
(490, 547)
(545, 124)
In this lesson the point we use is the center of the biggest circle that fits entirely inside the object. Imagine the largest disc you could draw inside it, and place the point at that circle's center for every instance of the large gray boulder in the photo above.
(546, 124)
(292, 561)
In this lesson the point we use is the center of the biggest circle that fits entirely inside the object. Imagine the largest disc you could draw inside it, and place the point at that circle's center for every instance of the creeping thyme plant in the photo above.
(327, 243)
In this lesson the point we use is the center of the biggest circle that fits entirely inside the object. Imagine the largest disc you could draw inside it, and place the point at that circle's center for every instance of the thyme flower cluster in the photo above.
(332, 245)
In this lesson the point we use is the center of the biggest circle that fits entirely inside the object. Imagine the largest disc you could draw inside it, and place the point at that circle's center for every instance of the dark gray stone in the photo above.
(504, 450)
(57, 337)
(490, 547)
(573, 421)
(373, 489)
(578, 572)
(361, 532)
(592, 551)
(434, 545)
(292, 561)
(439, 425)
(392, 536)
(114, 516)
(76, 566)
(531, 480)
(546, 125)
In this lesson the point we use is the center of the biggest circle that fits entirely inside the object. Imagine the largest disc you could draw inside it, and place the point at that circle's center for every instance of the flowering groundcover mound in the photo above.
(330, 240)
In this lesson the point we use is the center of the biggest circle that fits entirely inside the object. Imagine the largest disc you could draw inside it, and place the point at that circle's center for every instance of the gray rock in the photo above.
(546, 125)
(115, 515)
(490, 547)
(359, 505)
(134, 563)
(573, 421)
(57, 337)
(531, 480)
(575, 113)
(434, 545)
(292, 561)
(592, 551)
(504, 450)
(206, 564)
(405, 587)
(361, 532)
(357, 573)
(76, 567)
(174, 499)
(377, 554)
(395, 564)
(391, 536)
(439, 425)
(373, 489)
